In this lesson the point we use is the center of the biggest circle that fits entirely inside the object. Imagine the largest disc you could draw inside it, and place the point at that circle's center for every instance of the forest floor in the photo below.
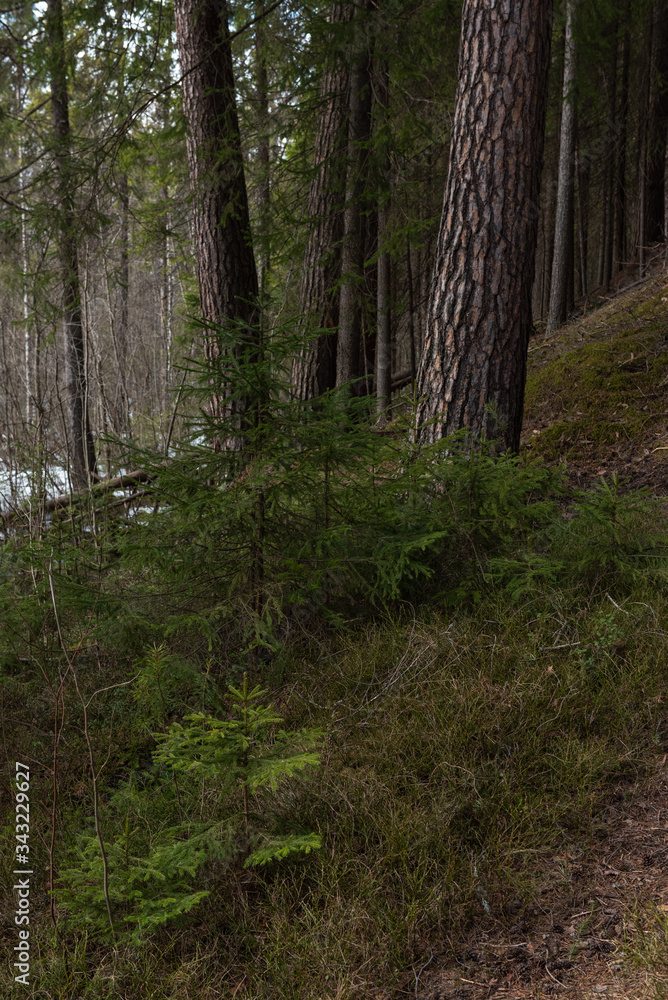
(597, 389)
(597, 400)
(598, 930)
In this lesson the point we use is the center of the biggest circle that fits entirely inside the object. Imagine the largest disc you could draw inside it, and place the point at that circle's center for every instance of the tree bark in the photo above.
(473, 367)
(605, 221)
(658, 122)
(314, 369)
(167, 298)
(383, 357)
(263, 142)
(81, 445)
(120, 330)
(226, 272)
(643, 132)
(29, 352)
(608, 227)
(411, 313)
(619, 247)
(384, 330)
(584, 178)
(546, 226)
(665, 205)
(562, 261)
(349, 354)
(122, 326)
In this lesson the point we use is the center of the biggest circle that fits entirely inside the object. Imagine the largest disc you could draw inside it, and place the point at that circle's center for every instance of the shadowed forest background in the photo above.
(333, 429)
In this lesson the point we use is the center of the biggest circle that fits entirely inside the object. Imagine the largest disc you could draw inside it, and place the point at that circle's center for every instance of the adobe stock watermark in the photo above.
(23, 870)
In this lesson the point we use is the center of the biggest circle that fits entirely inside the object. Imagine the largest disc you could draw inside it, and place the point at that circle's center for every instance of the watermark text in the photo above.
(23, 871)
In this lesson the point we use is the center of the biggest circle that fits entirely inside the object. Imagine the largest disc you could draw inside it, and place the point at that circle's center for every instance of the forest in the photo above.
(333, 547)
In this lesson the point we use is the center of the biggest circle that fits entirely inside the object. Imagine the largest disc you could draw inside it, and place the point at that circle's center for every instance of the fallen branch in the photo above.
(401, 380)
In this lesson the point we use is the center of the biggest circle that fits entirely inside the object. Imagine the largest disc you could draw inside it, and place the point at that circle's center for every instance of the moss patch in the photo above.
(597, 391)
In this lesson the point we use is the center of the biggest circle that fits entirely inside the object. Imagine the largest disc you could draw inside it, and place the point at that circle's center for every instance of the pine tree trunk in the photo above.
(226, 273)
(570, 283)
(123, 419)
(665, 205)
(473, 367)
(658, 122)
(167, 300)
(349, 353)
(120, 329)
(369, 289)
(547, 220)
(384, 331)
(30, 359)
(643, 131)
(584, 178)
(314, 369)
(562, 261)
(605, 223)
(619, 248)
(82, 448)
(608, 239)
(263, 143)
(411, 314)
(642, 210)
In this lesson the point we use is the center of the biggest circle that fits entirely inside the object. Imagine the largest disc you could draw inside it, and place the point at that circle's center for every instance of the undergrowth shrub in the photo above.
(605, 540)
(337, 516)
(617, 538)
(209, 795)
(329, 529)
(318, 515)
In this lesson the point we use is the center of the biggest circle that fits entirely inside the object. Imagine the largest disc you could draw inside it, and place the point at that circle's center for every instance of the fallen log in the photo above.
(54, 504)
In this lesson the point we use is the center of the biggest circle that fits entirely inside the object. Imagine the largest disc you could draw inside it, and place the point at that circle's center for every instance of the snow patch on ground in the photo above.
(18, 486)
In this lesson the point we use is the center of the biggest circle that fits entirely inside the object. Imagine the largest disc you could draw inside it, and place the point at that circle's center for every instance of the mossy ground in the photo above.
(597, 390)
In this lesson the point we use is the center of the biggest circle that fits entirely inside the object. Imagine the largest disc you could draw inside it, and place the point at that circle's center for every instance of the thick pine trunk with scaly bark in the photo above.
(226, 271)
(473, 366)
(81, 445)
(314, 370)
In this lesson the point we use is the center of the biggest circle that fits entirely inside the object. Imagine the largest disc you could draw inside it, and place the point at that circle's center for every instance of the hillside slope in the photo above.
(597, 390)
